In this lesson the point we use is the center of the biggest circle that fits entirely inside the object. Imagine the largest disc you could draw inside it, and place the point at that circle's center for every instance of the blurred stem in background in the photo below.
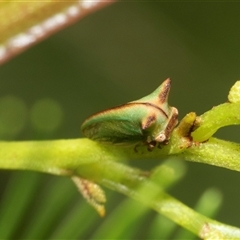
(24, 24)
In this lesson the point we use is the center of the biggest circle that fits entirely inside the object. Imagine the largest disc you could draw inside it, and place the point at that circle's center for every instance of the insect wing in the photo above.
(113, 126)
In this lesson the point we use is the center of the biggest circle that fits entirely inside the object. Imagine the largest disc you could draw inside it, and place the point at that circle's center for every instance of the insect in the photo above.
(149, 120)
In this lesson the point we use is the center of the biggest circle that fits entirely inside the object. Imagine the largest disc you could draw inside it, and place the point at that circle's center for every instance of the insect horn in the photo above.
(159, 97)
(164, 91)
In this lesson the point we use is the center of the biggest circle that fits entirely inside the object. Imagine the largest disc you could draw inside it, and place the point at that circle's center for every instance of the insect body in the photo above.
(149, 120)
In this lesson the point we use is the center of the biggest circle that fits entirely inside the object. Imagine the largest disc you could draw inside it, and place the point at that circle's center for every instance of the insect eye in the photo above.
(161, 137)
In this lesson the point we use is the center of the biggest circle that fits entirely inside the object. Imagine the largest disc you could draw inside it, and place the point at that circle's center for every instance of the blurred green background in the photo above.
(113, 56)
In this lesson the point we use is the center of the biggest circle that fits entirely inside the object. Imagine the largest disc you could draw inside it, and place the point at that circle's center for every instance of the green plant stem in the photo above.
(225, 114)
(100, 163)
(60, 156)
(149, 193)
(215, 152)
